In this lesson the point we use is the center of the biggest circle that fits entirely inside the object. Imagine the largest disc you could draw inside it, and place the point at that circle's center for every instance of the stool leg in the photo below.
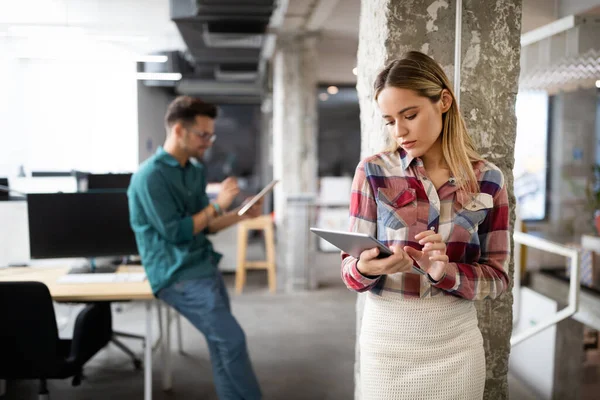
(240, 275)
(270, 247)
(179, 335)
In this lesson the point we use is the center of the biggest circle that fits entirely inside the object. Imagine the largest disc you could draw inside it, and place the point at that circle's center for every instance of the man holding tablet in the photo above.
(171, 217)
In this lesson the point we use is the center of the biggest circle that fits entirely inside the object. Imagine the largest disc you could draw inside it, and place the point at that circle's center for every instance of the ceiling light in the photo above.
(159, 76)
(355, 71)
(332, 90)
(598, 83)
(323, 96)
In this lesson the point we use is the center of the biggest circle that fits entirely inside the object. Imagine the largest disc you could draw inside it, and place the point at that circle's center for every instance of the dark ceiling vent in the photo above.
(225, 37)
(236, 72)
(232, 38)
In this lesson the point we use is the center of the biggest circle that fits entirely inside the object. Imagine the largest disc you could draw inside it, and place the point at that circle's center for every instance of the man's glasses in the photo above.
(206, 136)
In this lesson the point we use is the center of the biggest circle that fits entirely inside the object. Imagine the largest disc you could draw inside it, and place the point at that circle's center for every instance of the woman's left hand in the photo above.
(432, 259)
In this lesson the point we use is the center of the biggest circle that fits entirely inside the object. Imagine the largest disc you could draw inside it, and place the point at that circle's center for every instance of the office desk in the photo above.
(84, 292)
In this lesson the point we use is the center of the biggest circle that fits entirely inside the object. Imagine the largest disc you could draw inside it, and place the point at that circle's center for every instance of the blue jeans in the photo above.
(205, 303)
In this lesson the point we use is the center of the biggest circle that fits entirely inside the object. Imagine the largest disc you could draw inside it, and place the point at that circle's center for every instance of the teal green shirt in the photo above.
(163, 197)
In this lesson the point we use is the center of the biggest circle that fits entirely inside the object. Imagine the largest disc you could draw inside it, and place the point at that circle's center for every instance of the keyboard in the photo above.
(103, 278)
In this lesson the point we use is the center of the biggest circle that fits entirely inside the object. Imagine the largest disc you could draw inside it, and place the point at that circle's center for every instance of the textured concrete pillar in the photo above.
(294, 138)
(490, 71)
(265, 150)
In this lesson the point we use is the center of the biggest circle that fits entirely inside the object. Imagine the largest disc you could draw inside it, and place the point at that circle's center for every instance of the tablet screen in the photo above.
(259, 196)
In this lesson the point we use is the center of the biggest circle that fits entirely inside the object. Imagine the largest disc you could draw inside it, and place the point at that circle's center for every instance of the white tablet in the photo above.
(355, 243)
(256, 198)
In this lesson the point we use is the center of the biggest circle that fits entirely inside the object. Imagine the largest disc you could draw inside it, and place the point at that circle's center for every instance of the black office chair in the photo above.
(29, 344)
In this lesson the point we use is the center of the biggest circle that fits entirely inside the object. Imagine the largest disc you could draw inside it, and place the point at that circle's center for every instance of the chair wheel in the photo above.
(137, 364)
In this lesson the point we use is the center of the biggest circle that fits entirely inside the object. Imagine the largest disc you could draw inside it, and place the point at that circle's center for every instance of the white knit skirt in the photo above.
(428, 348)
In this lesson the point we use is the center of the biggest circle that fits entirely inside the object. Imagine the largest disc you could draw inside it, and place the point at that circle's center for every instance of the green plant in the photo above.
(592, 189)
(588, 192)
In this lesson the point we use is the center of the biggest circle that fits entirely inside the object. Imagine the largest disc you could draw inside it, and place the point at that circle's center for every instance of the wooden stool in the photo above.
(264, 223)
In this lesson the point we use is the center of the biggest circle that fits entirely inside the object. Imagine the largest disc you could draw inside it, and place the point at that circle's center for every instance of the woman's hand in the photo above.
(370, 265)
(432, 259)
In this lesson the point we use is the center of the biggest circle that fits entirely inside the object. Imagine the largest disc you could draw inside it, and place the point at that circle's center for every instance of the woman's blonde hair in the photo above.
(420, 73)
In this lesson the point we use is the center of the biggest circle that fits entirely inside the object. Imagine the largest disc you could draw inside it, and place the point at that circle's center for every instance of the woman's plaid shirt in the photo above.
(393, 199)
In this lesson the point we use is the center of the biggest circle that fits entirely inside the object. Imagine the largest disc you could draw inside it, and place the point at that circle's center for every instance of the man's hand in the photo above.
(229, 189)
(255, 210)
(369, 264)
(432, 259)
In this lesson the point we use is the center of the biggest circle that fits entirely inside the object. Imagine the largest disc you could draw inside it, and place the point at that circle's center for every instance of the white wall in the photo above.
(64, 113)
(14, 234)
(117, 21)
(67, 81)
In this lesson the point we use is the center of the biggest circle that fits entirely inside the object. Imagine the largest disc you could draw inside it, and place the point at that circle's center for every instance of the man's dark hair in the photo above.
(185, 109)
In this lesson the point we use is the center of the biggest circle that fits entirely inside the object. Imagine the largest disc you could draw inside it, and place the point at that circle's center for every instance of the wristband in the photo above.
(217, 208)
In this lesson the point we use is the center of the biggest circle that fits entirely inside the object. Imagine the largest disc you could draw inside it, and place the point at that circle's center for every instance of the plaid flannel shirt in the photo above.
(393, 199)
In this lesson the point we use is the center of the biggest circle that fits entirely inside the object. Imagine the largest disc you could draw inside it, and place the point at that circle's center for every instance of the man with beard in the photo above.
(171, 216)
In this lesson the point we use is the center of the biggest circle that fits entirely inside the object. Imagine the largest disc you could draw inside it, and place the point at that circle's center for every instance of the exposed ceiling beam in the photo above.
(320, 13)
(550, 29)
(276, 21)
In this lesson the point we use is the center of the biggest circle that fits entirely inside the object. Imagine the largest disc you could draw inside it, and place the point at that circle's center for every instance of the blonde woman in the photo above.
(441, 207)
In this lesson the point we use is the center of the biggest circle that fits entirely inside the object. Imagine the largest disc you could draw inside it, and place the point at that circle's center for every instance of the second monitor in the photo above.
(67, 225)
(108, 181)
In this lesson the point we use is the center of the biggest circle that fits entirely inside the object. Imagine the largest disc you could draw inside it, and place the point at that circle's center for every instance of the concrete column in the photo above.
(265, 150)
(294, 139)
(490, 70)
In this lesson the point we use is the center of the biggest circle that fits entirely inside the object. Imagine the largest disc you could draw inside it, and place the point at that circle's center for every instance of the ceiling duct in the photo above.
(240, 40)
(217, 31)
(225, 40)
(236, 72)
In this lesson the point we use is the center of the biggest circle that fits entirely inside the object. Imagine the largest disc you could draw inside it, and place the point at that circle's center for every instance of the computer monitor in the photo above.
(66, 225)
(108, 181)
(4, 195)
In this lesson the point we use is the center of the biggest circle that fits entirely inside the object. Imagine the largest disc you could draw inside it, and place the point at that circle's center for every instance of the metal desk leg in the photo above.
(166, 353)
(179, 335)
(148, 353)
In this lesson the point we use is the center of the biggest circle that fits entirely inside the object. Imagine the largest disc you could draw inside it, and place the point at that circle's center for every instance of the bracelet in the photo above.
(217, 208)
(434, 281)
